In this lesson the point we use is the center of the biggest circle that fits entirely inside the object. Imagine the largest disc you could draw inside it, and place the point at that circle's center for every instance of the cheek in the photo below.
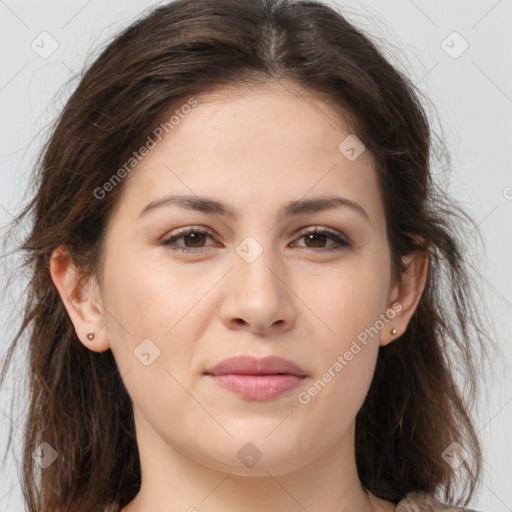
(149, 310)
(348, 300)
(152, 336)
(334, 396)
(145, 293)
(347, 330)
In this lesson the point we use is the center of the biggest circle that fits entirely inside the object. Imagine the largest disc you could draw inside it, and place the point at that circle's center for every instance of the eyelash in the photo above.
(343, 243)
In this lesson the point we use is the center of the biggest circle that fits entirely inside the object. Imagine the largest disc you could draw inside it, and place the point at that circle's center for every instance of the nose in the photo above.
(259, 297)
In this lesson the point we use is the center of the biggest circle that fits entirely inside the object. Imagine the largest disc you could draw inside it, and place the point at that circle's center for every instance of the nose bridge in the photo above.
(258, 295)
(256, 268)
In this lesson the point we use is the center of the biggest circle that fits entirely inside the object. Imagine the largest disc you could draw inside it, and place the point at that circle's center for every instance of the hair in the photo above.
(78, 404)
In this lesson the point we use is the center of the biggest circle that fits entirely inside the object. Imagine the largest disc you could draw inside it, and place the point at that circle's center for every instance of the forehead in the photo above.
(243, 144)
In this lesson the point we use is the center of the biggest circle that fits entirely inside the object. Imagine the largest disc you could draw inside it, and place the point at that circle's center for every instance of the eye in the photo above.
(195, 238)
(318, 237)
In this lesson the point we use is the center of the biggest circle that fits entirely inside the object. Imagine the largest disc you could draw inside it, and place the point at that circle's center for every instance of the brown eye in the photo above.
(317, 239)
(193, 239)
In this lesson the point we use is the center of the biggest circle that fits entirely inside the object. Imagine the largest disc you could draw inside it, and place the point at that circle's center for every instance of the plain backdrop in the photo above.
(457, 52)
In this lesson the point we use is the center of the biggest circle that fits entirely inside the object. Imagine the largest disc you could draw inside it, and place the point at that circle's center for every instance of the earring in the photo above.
(90, 336)
(393, 331)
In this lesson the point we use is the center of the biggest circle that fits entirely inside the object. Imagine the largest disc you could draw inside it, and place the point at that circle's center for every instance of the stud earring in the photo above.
(90, 336)
(393, 331)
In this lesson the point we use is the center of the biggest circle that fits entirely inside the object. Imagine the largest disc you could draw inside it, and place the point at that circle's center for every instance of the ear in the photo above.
(81, 298)
(405, 295)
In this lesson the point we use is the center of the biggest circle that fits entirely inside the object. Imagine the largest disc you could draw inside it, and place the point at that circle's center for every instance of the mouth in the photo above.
(257, 378)
(258, 387)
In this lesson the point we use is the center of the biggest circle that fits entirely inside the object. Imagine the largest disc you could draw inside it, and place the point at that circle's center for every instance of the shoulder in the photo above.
(424, 502)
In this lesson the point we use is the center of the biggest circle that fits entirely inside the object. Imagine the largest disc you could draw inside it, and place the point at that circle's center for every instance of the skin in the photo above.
(256, 150)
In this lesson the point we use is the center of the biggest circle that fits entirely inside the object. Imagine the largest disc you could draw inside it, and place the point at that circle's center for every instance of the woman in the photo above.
(246, 289)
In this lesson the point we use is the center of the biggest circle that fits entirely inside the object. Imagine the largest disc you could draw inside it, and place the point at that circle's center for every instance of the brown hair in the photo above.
(78, 403)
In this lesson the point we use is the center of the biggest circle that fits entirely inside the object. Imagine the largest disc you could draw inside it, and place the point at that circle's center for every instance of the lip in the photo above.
(257, 378)
(250, 365)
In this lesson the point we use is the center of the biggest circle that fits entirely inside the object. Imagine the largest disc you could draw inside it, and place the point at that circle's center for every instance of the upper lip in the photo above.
(250, 365)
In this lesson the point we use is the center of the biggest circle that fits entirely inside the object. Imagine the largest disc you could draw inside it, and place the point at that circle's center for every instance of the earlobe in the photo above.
(81, 298)
(407, 292)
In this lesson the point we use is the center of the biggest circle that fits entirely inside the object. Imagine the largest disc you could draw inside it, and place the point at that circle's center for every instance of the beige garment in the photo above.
(413, 502)
(423, 502)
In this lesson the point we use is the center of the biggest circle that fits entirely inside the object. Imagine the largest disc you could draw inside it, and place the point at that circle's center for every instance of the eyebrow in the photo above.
(293, 208)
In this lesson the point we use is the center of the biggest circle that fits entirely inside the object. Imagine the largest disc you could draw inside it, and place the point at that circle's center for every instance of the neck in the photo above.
(172, 480)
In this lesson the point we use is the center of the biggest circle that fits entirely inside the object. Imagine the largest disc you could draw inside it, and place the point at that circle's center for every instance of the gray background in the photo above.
(472, 92)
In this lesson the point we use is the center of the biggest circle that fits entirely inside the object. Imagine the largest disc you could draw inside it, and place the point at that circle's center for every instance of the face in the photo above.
(237, 269)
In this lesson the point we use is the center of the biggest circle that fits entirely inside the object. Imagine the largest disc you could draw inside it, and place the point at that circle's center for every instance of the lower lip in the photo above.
(257, 387)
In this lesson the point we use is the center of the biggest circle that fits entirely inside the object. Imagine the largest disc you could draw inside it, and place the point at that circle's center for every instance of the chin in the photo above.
(255, 458)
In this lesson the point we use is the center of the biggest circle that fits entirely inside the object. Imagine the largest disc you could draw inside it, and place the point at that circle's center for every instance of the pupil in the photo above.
(314, 237)
(193, 237)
